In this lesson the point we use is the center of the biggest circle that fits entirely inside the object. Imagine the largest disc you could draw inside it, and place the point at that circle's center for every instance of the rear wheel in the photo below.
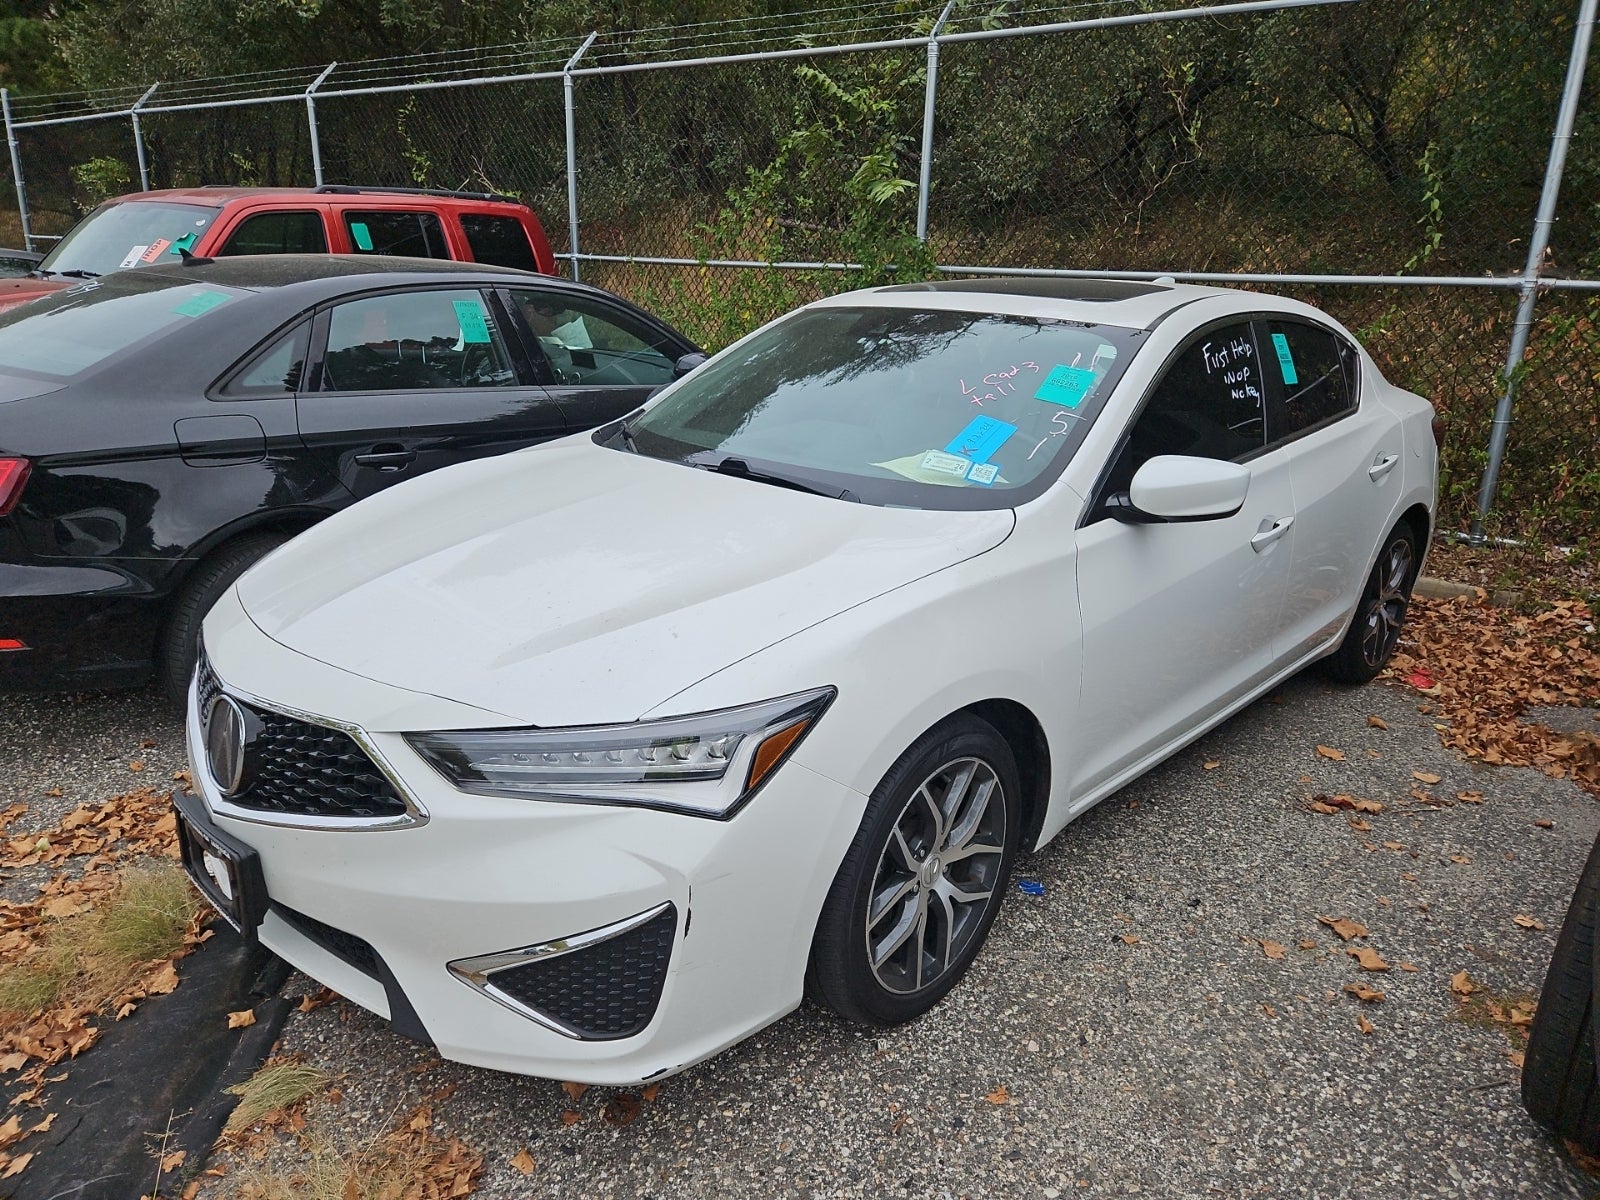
(1381, 614)
(180, 643)
(1559, 1079)
(921, 884)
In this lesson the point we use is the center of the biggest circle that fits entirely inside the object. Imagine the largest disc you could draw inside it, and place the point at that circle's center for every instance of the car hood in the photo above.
(573, 584)
(24, 288)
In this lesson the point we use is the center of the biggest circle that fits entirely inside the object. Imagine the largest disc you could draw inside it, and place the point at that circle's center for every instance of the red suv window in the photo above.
(500, 241)
(410, 234)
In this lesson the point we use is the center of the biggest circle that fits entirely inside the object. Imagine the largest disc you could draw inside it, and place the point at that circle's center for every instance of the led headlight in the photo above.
(707, 764)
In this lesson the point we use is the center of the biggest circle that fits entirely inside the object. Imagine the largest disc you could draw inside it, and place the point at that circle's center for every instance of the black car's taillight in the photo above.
(13, 475)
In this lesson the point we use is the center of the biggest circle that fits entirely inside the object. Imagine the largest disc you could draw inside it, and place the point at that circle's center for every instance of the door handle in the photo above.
(1382, 466)
(1269, 532)
(387, 456)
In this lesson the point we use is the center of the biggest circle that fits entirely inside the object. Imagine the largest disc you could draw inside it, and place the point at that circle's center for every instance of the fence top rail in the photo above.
(840, 29)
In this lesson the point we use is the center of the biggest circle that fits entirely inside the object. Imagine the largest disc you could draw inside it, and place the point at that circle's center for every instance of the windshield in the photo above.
(66, 334)
(129, 234)
(897, 406)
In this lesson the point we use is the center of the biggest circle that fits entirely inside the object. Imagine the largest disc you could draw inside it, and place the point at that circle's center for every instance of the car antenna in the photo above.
(193, 260)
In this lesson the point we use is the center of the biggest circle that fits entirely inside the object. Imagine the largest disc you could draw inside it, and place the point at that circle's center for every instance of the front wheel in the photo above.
(1375, 630)
(922, 881)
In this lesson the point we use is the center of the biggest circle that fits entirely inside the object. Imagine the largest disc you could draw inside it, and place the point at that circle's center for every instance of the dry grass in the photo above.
(90, 957)
(272, 1089)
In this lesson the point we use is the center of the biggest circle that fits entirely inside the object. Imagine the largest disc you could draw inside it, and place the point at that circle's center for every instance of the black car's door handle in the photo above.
(386, 456)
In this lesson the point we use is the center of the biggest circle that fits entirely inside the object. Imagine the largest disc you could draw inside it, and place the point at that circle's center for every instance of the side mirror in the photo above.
(686, 364)
(1175, 487)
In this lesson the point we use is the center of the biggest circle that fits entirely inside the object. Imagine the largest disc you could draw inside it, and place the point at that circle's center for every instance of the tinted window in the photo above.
(279, 233)
(929, 409)
(588, 341)
(68, 333)
(407, 341)
(411, 234)
(1208, 404)
(1306, 377)
(277, 370)
(135, 233)
(498, 240)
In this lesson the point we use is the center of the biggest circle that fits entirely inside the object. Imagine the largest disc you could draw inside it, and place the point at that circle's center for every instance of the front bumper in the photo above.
(478, 877)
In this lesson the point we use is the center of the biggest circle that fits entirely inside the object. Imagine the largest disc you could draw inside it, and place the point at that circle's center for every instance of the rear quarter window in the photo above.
(499, 241)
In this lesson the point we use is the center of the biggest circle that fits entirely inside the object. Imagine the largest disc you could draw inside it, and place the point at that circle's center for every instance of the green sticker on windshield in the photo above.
(182, 244)
(470, 316)
(1066, 385)
(201, 303)
(363, 237)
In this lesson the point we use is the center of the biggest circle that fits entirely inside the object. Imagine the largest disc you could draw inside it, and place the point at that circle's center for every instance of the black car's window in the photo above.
(277, 370)
(409, 341)
(131, 233)
(588, 341)
(927, 409)
(498, 240)
(1208, 404)
(67, 334)
(410, 234)
(279, 233)
(1305, 375)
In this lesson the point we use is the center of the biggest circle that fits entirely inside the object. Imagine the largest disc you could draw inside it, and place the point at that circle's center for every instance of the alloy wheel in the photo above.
(1388, 593)
(937, 875)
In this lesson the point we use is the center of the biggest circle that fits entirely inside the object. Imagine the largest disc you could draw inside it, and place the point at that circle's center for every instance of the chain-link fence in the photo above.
(1377, 159)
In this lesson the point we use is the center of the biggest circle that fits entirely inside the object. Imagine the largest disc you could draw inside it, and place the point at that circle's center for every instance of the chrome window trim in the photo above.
(415, 816)
(478, 972)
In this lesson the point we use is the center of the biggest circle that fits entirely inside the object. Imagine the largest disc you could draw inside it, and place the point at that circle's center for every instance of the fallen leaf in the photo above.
(650, 1093)
(569, 1117)
(175, 1159)
(1393, 846)
(1462, 985)
(1528, 922)
(136, 765)
(241, 1019)
(1470, 797)
(1427, 777)
(1515, 1058)
(1211, 764)
(1130, 939)
(1361, 825)
(1405, 966)
(1330, 752)
(1460, 858)
(523, 1161)
(1270, 1011)
(1368, 958)
(1544, 824)
(999, 1095)
(1307, 944)
(1377, 722)
(1344, 927)
(162, 981)
(574, 1091)
(18, 1165)
(1363, 993)
(1271, 949)
(1365, 1025)
(621, 1109)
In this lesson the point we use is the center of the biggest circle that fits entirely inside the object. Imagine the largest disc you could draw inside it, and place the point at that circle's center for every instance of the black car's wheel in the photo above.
(1559, 1070)
(1381, 614)
(923, 879)
(180, 641)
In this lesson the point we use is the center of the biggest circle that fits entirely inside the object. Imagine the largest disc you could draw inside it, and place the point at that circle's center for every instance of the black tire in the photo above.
(180, 640)
(1381, 612)
(1559, 1071)
(926, 888)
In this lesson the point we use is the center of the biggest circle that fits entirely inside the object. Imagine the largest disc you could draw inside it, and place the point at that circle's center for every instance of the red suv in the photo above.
(149, 227)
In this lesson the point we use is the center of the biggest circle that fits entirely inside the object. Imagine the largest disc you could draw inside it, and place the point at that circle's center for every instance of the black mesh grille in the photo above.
(304, 770)
(608, 990)
(346, 946)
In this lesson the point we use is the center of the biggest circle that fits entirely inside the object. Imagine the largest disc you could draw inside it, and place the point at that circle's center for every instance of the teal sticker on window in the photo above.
(184, 243)
(201, 303)
(362, 235)
(470, 316)
(1285, 359)
(1066, 386)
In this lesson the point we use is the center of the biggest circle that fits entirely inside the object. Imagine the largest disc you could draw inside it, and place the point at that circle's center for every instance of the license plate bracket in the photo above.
(225, 870)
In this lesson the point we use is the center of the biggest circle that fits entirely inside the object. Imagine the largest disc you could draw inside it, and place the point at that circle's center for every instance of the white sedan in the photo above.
(590, 760)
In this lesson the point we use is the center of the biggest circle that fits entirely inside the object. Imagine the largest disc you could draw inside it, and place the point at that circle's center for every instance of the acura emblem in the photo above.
(225, 731)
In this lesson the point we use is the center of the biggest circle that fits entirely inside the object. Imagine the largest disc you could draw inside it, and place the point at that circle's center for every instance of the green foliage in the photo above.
(99, 179)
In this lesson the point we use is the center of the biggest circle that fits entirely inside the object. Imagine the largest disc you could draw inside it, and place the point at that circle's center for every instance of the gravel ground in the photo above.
(1185, 1064)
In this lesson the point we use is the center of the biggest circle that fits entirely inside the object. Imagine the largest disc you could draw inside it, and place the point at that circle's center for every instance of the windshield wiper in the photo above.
(75, 273)
(740, 468)
(626, 435)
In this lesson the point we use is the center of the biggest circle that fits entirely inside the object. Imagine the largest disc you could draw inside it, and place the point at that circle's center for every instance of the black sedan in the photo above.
(162, 429)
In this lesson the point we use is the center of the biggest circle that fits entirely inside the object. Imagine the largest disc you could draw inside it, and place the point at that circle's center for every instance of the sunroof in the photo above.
(1047, 287)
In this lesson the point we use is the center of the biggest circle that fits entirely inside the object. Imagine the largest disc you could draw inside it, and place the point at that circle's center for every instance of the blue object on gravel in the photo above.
(1031, 886)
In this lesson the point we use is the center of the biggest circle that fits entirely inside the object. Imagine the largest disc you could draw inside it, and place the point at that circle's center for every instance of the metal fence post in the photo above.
(572, 152)
(16, 170)
(138, 138)
(925, 173)
(311, 121)
(1565, 120)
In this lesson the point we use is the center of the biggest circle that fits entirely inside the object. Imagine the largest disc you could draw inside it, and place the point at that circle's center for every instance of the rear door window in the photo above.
(279, 233)
(410, 234)
(588, 341)
(501, 241)
(413, 341)
(1306, 378)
